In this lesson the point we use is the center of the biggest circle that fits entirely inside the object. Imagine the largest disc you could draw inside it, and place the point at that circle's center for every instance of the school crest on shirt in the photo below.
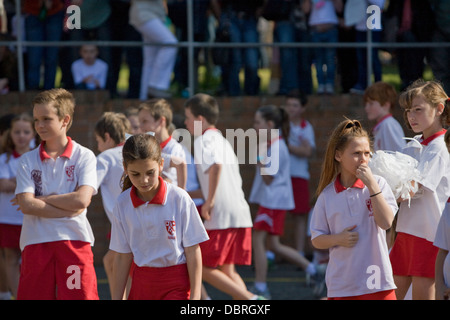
(36, 176)
(170, 228)
(70, 173)
(369, 206)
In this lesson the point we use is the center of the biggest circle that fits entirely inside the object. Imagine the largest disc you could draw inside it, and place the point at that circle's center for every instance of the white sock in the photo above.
(311, 269)
(261, 286)
(5, 295)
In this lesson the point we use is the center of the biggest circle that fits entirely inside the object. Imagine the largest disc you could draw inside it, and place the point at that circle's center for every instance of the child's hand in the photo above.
(348, 238)
(206, 210)
(364, 173)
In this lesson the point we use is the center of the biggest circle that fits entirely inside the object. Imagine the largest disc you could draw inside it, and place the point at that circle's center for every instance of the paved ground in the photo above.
(285, 281)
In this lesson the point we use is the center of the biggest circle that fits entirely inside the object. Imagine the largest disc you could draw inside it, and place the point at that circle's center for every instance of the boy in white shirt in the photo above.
(55, 183)
(89, 72)
(379, 99)
(225, 211)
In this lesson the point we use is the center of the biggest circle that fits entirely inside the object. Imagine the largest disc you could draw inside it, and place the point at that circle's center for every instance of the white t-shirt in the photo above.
(8, 170)
(442, 241)
(40, 174)
(421, 218)
(325, 14)
(99, 71)
(169, 148)
(230, 210)
(388, 135)
(349, 270)
(109, 174)
(156, 231)
(278, 194)
(300, 165)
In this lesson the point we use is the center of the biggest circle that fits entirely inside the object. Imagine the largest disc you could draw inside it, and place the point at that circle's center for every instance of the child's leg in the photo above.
(230, 271)
(12, 262)
(402, 283)
(259, 253)
(300, 231)
(108, 261)
(287, 252)
(423, 288)
(221, 281)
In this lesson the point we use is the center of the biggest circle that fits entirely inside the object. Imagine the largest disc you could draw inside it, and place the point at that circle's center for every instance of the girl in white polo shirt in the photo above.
(426, 112)
(17, 142)
(352, 212)
(272, 190)
(157, 225)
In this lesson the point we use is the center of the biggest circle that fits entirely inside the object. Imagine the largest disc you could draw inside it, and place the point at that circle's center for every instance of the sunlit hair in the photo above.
(60, 99)
(140, 146)
(338, 141)
(279, 117)
(432, 92)
(115, 124)
(7, 143)
(382, 92)
(204, 105)
(158, 108)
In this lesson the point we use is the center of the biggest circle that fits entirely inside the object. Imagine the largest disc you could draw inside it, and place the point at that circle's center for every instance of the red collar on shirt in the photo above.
(67, 152)
(432, 137)
(164, 143)
(382, 119)
(15, 154)
(339, 187)
(159, 197)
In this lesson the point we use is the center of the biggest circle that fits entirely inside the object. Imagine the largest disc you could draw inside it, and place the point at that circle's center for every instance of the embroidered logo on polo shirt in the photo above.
(170, 227)
(369, 206)
(70, 173)
(36, 176)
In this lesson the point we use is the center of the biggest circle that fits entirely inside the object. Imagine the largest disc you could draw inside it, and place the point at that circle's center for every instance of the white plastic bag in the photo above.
(399, 170)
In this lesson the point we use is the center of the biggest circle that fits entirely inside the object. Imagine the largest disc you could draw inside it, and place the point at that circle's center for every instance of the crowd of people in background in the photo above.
(162, 71)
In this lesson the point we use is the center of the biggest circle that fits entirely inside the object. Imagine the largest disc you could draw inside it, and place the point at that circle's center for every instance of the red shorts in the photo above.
(62, 270)
(300, 189)
(169, 283)
(10, 236)
(270, 220)
(381, 295)
(413, 256)
(228, 246)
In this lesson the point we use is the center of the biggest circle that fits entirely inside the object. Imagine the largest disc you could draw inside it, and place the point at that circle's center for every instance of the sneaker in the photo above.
(321, 89)
(357, 90)
(262, 295)
(329, 88)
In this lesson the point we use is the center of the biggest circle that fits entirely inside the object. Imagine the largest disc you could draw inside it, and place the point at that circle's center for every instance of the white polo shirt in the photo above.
(169, 148)
(421, 218)
(109, 175)
(230, 210)
(157, 231)
(300, 165)
(8, 170)
(278, 194)
(388, 135)
(349, 269)
(442, 241)
(40, 174)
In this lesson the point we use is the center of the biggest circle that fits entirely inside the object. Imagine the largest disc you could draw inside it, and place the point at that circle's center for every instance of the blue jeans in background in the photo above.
(325, 56)
(49, 29)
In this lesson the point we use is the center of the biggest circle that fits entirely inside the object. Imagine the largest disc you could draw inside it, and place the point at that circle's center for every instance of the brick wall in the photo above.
(324, 112)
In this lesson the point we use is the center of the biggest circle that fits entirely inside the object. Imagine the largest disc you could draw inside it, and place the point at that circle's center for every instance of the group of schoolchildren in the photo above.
(180, 218)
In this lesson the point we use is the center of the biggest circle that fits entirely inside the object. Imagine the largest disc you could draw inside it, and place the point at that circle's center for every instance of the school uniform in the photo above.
(171, 147)
(51, 247)
(277, 197)
(413, 250)
(299, 166)
(230, 225)
(388, 135)
(349, 270)
(109, 175)
(10, 219)
(156, 233)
